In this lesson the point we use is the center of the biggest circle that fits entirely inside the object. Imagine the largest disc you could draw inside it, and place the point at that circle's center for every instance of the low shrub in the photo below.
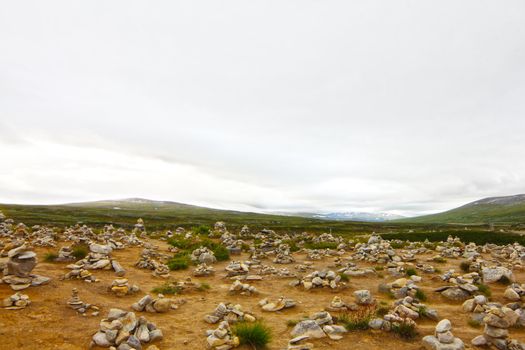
(420, 295)
(80, 251)
(405, 330)
(344, 277)
(411, 272)
(180, 261)
(167, 289)
(50, 257)
(465, 266)
(484, 289)
(357, 320)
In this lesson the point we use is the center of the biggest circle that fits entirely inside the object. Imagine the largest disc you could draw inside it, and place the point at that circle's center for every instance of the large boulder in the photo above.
(494, 274)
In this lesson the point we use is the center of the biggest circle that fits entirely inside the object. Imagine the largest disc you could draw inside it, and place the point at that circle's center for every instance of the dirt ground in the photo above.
(48, 324)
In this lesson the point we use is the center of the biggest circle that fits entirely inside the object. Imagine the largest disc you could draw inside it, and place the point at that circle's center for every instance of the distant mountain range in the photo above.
(507, 209)
(350, 216)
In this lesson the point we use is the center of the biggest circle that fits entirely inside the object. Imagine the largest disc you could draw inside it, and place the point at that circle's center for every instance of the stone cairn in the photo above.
(443, 339)
(78, 272)
(122, 329)
(236, 268)
(283, 255)
(514, 292)
(79, 306)
(461, 288)
(363, 297)
(319, 279)
(242, 288)
(17, 271)
(221, 338)
(496, 332)
(65, 254)
(338, 305)
(16, 301)
(149, 259)
(121, 287)
(99, 258)
(160, 304)
(277, 305)
(319, 325)
(229, 312)
(203, 270)
(203, 255)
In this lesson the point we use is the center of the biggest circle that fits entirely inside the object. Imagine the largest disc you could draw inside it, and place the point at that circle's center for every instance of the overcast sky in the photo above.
(405, 107)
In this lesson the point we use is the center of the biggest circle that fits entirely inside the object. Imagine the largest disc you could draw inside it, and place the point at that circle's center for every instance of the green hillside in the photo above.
(160, 215)
(498, 210)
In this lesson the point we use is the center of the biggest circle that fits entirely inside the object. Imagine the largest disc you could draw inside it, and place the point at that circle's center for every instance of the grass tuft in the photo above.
(255, 334)
(50, 257)
(405, 330)
(80, 251)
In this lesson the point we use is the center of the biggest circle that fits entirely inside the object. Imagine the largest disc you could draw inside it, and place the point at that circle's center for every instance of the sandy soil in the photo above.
(49, 324)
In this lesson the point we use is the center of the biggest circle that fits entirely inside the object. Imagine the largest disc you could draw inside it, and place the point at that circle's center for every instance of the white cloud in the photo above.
(390, 106)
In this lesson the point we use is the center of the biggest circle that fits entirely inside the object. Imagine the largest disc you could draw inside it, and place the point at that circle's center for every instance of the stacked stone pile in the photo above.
(229, 312)
(242, 288)
(443, 339)
(17, 269)
(221, 338)
(277, 305)
(160, 304)
(79, 306)
(124, 330)
(319, 279)
(16, 301)
(121, 287)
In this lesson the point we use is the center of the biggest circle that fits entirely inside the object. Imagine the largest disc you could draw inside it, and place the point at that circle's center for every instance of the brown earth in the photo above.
(48, 324)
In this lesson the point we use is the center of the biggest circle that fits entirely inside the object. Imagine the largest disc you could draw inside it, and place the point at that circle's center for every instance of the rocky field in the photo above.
(80, 287)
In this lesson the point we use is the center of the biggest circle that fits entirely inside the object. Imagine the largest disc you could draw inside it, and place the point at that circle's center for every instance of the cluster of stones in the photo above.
(78, 272)
(18, 267)
(278, 272)
(319, 279)
(363, 297)
(462, 286)
(16, 301)
(65, 254)
(497, 322)
(319, 325)
(229, 312)
(242, 288)
(443, 339)
(203, 255)
(376, 250)
(149, 260)
(221, 338)
(235, 268)
(277, 305)
(203, 270)
(121, 287)
(231, 243)
(401, 287)
(150, 304)
(283, 255)
(99, 258)
(125, 331)
(350, 269)
(79, 306)
(514, 292)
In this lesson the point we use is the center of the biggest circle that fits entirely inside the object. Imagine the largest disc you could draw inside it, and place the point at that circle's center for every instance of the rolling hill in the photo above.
(500, 210)
(161, 215)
